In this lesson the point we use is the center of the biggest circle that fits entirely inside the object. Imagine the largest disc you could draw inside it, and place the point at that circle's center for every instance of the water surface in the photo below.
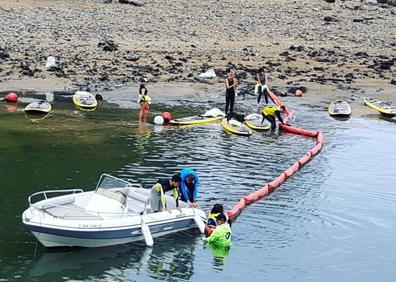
(334, 220)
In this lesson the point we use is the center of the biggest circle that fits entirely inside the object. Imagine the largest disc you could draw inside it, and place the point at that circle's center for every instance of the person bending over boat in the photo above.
(261, 86)
(221, 235)
(163, 185)
(230, 83)
(144, 100)
(189, 187)
(269, 113)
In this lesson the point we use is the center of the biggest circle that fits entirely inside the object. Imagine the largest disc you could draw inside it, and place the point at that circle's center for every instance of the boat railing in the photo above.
(46, 193)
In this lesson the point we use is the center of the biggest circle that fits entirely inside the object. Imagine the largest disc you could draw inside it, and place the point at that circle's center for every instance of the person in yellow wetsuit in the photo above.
(269, 113)
(157, 195)
(211, 224)
(221, 235)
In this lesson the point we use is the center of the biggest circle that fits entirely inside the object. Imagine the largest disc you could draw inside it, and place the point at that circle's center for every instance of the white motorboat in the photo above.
(116, 212)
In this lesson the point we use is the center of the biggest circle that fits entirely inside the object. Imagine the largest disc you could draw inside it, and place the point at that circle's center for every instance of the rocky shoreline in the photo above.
(104, 45)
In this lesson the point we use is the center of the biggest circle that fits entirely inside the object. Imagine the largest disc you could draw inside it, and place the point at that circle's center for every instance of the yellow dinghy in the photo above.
(385, 108)
(254, 122)
(84, 101)
(236, 127)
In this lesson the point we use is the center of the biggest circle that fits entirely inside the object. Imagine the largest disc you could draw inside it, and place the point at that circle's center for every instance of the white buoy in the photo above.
(159, 120)
(147, 235)
(51, 62)
(201, 225)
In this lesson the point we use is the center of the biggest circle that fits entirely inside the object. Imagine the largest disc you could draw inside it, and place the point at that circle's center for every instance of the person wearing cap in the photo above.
(163, 185)
(189, 187)
(211, 224)
(144, 100)
(221, 235)
(269, 113)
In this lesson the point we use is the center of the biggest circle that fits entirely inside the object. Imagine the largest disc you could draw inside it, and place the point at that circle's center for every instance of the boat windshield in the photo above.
(107, 181)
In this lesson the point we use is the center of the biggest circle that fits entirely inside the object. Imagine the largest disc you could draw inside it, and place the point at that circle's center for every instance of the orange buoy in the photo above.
(167, 116)
(11, 97)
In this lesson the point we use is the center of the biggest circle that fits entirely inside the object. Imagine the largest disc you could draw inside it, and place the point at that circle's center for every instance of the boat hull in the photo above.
(57, 237)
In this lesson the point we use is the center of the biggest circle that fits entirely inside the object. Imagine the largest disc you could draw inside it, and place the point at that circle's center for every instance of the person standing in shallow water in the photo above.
(144, 100)
(230, 83)
(261, 86)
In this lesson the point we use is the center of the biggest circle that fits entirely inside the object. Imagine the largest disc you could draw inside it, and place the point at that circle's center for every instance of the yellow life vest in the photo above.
(270, 110)
(144, 98)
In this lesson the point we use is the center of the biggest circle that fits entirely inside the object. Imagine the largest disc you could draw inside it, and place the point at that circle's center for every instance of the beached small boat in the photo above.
(236, 127)
(339, 108)
(38, 107)
(255, 121)
(116, 212)
(385, 108)
(212, 115)
(84, 101)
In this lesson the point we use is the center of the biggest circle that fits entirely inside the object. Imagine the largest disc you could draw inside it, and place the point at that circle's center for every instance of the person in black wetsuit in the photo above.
(230, 83)
(261, 86)
(157, 196)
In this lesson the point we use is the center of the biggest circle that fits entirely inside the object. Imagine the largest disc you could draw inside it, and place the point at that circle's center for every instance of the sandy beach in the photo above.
(328, 48)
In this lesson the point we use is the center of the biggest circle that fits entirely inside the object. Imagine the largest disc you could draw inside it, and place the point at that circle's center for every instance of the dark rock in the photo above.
(107, 1)
(361, 54)
(132, 2)
(393, 81)
(383, 64)
(108, 45)
(298, 48)
(330, 1)
(4, 54)
(329, 19)
(104, 77)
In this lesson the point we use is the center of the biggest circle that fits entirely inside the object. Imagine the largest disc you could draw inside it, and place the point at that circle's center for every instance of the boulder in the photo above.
(108, 45)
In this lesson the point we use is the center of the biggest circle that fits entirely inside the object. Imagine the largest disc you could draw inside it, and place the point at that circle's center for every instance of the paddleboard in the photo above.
(194, 120)
(38, 107)
(339, 108)
(254, 122)
(385, 108)
(84, 100)
(236, 127)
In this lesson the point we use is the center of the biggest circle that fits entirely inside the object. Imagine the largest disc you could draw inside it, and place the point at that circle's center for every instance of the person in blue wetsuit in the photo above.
(189, 186)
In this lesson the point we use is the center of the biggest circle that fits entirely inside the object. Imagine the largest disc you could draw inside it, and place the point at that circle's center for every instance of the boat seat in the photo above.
(59, 202)
(138, 200)
(139, 196)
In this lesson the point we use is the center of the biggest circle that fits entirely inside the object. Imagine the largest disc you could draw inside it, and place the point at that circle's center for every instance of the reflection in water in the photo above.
(36, 117)
(170, 259)
(219, 254)
(11, 107)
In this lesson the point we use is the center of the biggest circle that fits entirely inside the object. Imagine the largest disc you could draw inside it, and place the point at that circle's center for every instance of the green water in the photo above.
(334, 220)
